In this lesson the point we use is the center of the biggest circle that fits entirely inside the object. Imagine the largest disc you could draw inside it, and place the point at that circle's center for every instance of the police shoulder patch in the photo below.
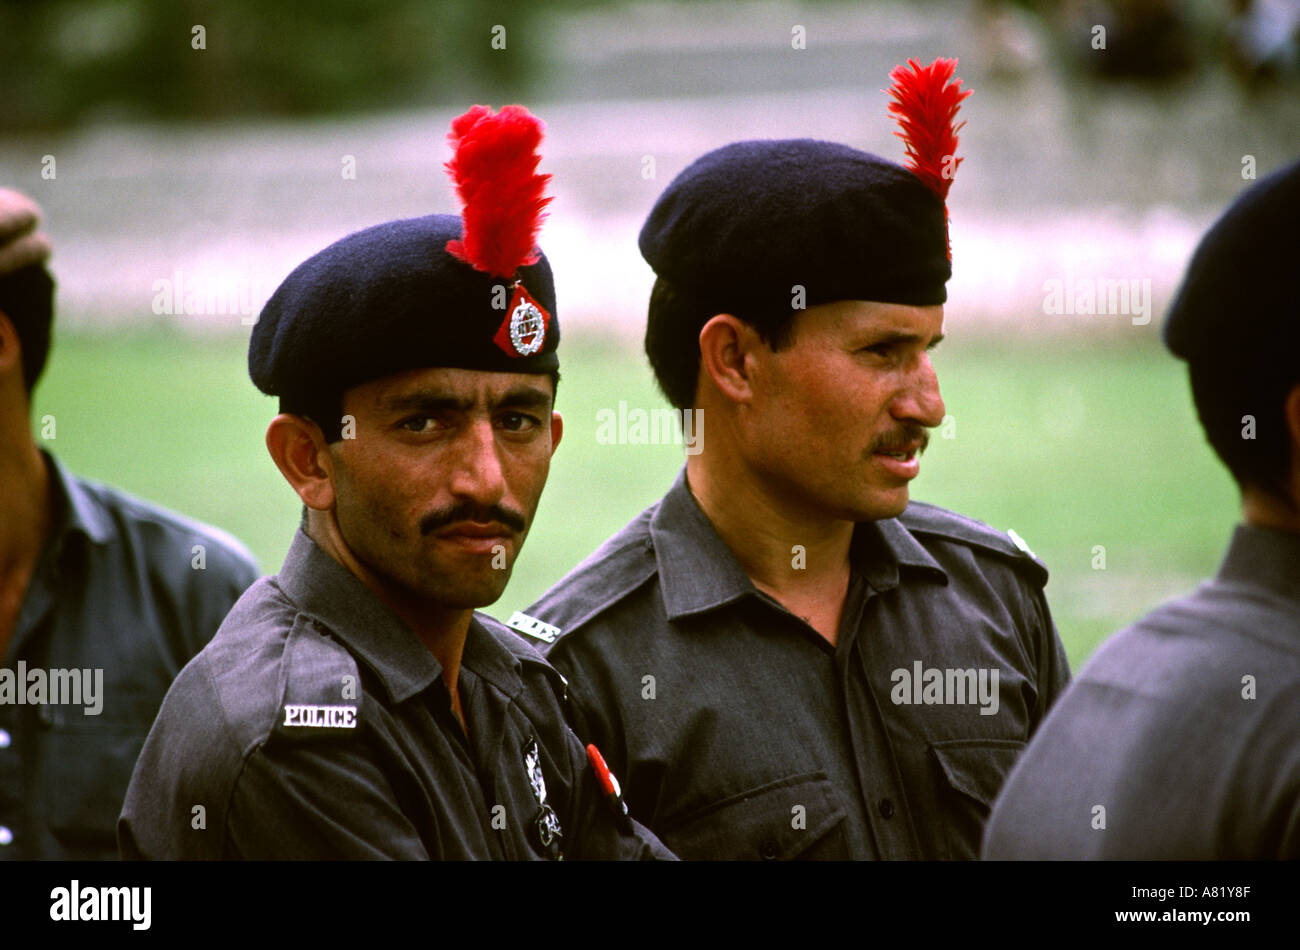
(322, 687)
(531, 626)
(1019, 542)
(925, 519)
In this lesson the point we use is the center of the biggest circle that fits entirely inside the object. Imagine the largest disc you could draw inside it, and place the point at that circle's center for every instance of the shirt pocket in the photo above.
(774, 822)
(87, 770)
(973, 771)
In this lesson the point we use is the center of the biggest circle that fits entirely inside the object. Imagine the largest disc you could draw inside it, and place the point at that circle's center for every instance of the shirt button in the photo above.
(4, 739)
(6, 836)
(886, 807)
(768, 851)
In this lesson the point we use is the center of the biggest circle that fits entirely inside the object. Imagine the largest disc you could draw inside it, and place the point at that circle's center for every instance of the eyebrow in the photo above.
(890, 338)
(520, 397)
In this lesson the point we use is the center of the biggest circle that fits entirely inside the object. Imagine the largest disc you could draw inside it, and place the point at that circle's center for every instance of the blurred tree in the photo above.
(62, 61)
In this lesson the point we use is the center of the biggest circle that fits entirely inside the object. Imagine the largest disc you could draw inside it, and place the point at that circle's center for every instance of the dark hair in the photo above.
(327, 410)
(672, 336)
(27, 299)
(1226, 388)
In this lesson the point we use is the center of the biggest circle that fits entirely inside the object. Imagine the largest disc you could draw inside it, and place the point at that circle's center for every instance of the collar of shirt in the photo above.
(1263, 557)
(698, 572)
(326, 590)
(75, 508)
(78, 518)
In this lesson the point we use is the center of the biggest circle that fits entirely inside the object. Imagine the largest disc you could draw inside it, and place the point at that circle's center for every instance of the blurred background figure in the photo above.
(103, 598)
(1142, 39)
(1263, 40)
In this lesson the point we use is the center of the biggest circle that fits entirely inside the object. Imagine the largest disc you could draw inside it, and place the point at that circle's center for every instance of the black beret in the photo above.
(390, 299)
(744, 224)
(1239, 290)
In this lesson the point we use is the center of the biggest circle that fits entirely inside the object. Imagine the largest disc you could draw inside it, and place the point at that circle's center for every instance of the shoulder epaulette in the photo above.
(619, 567)
(921, 518)
(322, 688)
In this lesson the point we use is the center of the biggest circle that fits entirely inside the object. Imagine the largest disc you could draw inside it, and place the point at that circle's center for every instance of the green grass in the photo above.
(1073, 445)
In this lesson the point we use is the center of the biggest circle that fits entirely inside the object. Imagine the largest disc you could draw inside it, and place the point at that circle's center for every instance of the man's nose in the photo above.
(478, 474)
(920, 401)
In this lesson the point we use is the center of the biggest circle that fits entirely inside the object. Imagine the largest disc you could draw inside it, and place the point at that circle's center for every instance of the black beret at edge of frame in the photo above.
(1238, 290)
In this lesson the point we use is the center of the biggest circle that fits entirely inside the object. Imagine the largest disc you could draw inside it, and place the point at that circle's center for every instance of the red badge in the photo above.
(523, 332)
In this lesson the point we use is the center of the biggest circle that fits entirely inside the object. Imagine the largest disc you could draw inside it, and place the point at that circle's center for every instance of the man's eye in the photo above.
(519, 422)
(419, 424)
(880, 349)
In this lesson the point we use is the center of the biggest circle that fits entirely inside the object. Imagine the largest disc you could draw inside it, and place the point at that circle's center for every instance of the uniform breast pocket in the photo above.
(86, 771)
(799, 816)
(973, 771)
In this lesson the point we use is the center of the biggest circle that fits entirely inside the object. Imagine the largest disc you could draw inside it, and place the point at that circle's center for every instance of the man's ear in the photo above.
(302, 455)
(11, 355)
(557, 430)
(726, 345)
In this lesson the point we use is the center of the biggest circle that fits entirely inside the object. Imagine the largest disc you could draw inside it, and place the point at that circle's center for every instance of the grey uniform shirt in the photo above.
(1184, 729)
(740, 732)
(124, 594)
(316, 725)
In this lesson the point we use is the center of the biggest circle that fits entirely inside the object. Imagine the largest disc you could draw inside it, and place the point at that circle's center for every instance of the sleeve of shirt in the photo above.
(320, 800)
(1053, 664)
(589, 707)
(603, 834)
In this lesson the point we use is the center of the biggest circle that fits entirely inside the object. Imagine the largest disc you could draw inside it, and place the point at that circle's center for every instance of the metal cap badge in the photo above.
(494, 167)
(523, 331)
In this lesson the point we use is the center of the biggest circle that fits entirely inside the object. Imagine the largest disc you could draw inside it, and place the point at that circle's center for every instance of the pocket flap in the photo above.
(977, 767)
(772, 822)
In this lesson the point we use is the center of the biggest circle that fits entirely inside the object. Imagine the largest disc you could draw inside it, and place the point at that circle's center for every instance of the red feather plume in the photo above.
(494, 167)
(926, 100)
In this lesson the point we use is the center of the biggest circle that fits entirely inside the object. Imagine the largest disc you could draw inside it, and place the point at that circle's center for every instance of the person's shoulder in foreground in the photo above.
(1181, 737)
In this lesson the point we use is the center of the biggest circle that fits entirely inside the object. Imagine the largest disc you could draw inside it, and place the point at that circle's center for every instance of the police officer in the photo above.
(355, 705)
(782, 657)
(103, 598)
(1181, 737)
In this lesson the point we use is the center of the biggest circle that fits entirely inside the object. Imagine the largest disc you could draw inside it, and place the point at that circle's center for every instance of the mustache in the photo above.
(898, 440)
(468, 511)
